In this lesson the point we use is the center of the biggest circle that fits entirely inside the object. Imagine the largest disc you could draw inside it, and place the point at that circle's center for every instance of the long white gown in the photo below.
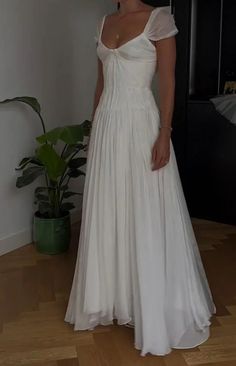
(138, 260)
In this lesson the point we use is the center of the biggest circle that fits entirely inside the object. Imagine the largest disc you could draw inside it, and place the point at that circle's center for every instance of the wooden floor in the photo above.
(34, 290)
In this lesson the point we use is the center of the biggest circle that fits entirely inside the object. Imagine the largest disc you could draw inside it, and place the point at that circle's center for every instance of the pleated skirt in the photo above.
(138, 260)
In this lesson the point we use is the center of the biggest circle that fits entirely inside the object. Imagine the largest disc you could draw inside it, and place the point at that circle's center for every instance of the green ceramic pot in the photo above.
(52, 236)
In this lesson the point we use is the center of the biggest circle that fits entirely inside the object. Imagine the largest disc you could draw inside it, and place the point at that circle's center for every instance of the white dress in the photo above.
(138, 260)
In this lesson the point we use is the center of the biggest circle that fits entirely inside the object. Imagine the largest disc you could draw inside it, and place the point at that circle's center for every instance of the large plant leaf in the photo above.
(43, 190)
(64, 187)
(69, 150)
(29, 176)
(31, 101)
(72, 134)
(68, 134)
(54, 164)
(70, 194)
(45, 208)
(86, 126)
(72, 149)
(40, 189)
(42, 197)
(74, 173)
(29, 160)
(52, 136)
(67, 206)
(77, 163)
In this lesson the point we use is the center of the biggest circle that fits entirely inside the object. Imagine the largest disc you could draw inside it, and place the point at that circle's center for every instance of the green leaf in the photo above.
(24, 161)
(68, 134)
(32, 102)
(87, 125)
(74, 173)
(29, 160)
(52, 136)
(73, 134)
(54, 164)
(73, 149)
(67, 206)
(69, 150)
(77, 163)
(42, 197)
(64, 187)
(45, 208)
(40, 189)
(69, 194)
(29, 176)
(43, 189)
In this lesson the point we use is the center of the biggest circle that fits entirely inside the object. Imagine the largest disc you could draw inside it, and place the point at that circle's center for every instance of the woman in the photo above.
(138, 260)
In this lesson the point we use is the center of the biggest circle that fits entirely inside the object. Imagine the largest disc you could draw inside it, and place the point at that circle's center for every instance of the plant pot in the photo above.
(52, 236)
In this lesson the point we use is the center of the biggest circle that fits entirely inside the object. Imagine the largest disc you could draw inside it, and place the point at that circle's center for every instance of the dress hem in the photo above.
(143, 353)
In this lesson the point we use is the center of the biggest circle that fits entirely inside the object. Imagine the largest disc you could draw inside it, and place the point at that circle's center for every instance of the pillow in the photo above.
(226, 105)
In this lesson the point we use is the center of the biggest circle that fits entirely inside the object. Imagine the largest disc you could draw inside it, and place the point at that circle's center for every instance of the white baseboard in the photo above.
(15, 241)
(24, 237)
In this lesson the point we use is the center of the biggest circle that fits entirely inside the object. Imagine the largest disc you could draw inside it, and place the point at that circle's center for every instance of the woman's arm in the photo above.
(166, 60)
(97, 94)
(99, 88)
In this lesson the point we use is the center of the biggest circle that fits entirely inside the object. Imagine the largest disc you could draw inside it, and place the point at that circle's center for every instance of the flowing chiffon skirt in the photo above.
(138, 259)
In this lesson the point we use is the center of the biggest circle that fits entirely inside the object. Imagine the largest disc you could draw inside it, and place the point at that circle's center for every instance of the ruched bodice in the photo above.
(128, 70)
(124, 67)
(128, 74)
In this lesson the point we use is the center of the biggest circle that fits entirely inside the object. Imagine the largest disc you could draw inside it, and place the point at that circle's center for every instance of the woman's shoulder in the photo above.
(162, 24)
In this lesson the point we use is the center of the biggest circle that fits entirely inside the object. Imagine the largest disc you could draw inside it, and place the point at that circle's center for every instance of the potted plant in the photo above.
(58, 165)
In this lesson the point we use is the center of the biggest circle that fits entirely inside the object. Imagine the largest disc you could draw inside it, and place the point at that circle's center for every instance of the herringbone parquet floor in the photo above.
(34, 290)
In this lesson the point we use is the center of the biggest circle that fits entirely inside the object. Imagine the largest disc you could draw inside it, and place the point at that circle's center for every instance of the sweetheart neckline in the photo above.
(132, 39)
(124, 44)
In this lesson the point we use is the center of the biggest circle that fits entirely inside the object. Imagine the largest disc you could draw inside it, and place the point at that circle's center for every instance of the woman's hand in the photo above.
(161, 150)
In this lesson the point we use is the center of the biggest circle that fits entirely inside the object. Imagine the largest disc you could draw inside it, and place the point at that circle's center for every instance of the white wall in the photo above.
(47, 51)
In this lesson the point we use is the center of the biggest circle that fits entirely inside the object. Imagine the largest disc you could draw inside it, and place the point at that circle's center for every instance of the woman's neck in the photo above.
(130, 6)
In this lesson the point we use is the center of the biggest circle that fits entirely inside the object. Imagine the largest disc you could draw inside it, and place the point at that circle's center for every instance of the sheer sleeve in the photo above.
(162, 25)
(98, 29)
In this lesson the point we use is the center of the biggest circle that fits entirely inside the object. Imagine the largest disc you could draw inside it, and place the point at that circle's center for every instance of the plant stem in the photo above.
(64, 173)
(63, 150)
(57, 208)
(46, 179)
(42, 122)
(62, 196)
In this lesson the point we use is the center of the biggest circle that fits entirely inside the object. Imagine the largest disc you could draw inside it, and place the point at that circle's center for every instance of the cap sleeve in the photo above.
(98, 29)
(162, 25)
